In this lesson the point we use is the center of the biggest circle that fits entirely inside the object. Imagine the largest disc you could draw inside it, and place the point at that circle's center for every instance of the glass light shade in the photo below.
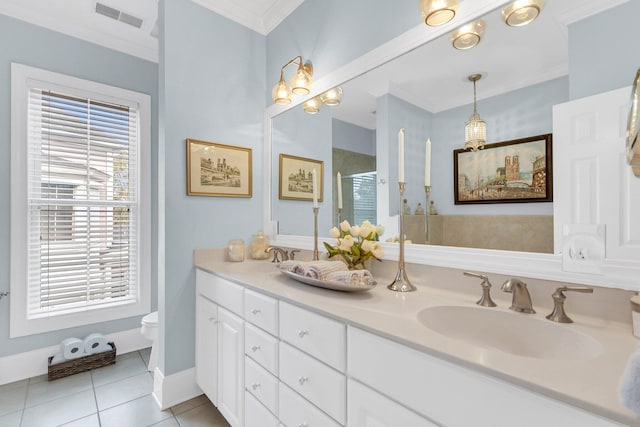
(301, 82)
(438, 12)
(281, 93)
(521, 12)
(475, 133)
(469, 35)
(312, 106)
(332, 97)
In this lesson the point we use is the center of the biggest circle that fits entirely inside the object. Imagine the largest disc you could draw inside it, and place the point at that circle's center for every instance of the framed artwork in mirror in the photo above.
(514, 171)
(295, 178)
(218, 170)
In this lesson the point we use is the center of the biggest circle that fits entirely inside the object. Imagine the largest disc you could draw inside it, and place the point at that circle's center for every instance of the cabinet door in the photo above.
(368, 408)
(231, 367)
(207, 347)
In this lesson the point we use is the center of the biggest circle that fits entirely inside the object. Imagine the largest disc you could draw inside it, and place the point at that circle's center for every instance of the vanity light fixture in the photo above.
(300, 83)
(313, 105)
(475, 131)
(468, 35)
(438, 12)
(521, 12)
(332, 97)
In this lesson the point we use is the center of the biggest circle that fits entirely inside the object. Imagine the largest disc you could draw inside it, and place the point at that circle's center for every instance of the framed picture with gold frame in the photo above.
(295, 178)
(218, 170)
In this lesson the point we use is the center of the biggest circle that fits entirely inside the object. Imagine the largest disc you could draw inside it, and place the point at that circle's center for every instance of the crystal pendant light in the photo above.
(313, 105)
(438, 12)
(281, 93)
(475, 131)
(301, 81)
(521, 12)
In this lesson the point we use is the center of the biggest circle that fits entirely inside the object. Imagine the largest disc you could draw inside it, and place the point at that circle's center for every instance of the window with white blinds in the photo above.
(364, 197)
(82, 202)
(86, 227)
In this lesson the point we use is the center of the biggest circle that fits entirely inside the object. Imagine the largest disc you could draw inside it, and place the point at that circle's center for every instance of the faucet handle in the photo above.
(558, 314)
(292, 253)
(485, 300)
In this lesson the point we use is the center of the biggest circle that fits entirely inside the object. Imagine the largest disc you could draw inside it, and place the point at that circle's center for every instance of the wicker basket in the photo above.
(81, 364)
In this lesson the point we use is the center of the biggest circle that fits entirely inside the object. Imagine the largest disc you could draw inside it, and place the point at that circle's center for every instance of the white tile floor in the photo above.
(114, 396)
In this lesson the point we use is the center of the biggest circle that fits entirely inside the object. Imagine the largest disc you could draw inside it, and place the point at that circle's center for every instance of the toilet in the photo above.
(149, 330)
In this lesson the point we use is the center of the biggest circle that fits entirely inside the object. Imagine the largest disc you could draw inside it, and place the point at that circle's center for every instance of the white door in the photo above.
(231, 367)
(207, 347)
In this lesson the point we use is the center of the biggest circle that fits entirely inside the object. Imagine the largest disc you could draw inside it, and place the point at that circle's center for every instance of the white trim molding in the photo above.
(175, 388)
(20, 366)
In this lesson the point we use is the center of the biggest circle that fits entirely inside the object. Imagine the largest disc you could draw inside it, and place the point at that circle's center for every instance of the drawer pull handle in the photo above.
(255, 348)
(255, 386)
(303, 380)
(302, 333)
(255, 311)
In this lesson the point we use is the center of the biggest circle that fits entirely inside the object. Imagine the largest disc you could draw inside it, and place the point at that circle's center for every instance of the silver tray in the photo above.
(336, 286)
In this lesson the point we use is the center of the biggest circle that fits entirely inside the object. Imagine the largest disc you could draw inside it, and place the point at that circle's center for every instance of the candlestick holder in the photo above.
(401, 283)
(339, 216)
(427, 193)
(316, 255)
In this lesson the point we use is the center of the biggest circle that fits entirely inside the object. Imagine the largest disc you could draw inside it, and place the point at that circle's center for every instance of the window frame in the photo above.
(22, 78)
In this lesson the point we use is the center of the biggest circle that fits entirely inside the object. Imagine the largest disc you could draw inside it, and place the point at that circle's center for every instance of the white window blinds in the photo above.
(83, 207)
(364, 197)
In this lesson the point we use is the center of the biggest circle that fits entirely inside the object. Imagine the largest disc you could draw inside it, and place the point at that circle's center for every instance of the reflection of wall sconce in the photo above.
(438, 12)
(468, 35)
(521, 12)
(300, 83)
(332, 97)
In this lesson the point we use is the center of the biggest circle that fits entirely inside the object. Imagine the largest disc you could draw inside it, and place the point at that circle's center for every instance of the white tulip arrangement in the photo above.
(356, 244)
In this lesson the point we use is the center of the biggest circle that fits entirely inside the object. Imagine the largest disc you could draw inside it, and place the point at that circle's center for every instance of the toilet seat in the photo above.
(150, 319)
(149, 330)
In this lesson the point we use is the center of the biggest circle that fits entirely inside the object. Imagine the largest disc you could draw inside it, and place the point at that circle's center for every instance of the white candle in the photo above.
(427, 164)
(339, 179)
(401, 155)
(314, 186)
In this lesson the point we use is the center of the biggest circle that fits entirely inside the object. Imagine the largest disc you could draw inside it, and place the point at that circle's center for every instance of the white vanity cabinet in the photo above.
(220, 344)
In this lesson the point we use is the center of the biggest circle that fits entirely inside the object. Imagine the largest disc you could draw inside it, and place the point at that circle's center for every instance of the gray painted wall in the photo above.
(350, 137)
(212, 89)
(604, 53)
(38, 47)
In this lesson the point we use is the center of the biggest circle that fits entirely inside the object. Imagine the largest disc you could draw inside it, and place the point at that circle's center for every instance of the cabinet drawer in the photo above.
(317, 335)
(222, 292)
(261, 347)
(261, 310)
(295, 411)
(320, 384)
(261, 384)
(256, 415)
(369, 408)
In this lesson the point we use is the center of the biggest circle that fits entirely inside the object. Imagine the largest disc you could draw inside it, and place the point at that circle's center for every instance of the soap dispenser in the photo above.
(259, 245)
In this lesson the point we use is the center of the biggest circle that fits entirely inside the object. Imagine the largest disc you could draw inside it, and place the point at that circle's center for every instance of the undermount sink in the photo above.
(514, 333)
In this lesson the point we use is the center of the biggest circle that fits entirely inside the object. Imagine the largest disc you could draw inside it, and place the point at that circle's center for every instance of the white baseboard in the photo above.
(175, 388)
(32, 363)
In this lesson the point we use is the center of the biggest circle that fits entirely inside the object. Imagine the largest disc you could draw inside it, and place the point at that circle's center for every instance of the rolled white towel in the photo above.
(289, 265)
(320, 269)
(630, 383)
(351, 277)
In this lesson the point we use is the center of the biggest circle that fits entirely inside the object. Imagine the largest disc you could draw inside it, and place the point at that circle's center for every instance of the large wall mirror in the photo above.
(426, 91)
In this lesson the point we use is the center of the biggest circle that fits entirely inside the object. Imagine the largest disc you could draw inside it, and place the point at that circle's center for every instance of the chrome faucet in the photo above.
(278, 251)
(521, 301)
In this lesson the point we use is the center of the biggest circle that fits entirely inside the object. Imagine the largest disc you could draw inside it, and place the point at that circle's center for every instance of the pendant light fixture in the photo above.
(475, 131)
(438, 12)
(300, 83)
(521, 12)
(468, 35)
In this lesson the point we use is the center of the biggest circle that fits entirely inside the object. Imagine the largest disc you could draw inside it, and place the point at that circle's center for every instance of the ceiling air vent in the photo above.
(118, 15)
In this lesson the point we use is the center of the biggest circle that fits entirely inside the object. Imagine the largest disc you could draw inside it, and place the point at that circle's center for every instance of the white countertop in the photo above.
(589, 384)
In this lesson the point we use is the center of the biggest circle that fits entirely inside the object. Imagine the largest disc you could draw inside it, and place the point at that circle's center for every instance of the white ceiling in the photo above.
(433, 77)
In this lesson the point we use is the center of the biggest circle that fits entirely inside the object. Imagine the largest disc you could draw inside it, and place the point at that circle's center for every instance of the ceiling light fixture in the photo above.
(300, 83)
(468, 35)
(475, 131)
(438, 12)
(521, 12)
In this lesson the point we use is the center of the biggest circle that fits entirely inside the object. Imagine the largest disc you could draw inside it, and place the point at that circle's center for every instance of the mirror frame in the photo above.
(522, 264)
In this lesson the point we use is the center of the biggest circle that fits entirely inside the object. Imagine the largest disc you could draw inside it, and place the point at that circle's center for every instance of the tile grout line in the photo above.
(95, 399)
